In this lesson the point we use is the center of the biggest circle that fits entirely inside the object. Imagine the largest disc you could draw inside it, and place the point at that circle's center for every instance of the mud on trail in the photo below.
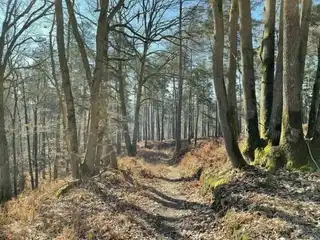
(149, 198)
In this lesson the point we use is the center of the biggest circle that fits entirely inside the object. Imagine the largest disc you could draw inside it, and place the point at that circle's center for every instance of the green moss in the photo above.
(269, 157)
(214, 183)
(305, 168)
(262, 155)
(210, 180)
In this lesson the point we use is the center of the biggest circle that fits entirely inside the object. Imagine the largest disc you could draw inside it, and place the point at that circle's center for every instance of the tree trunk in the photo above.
(190, 116)
(162, 119)
(217, 121)
(27, 124)
(208, 120)
(43, 147)
(180, 84)
(174, 109)
(35, 146)
(267, 59)
(230, 138)
(240, 107)
(292, 140)
(5, 181)
(196, 124)
(145, 124)
(14, 150)
(141, 81)
(313, 114)
(248, 80)
(137, 115)
(62, 103)
(152, 121)
(119, 131)
(185, 125)
(101, 142)
(158, 122)
(276, 114)
(58, 148)
(102, 43)
(66, 84)
(49, 159)
(304, 33)
(123, 108)
(232, 74)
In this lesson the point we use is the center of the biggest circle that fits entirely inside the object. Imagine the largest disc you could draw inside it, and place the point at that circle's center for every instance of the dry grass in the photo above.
(139, 167)
(17, 215)
(244, 225)
(209, 154)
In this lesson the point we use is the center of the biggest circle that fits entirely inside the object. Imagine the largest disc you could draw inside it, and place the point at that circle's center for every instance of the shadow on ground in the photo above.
(159, 224)
(170, 202)
(290, 196)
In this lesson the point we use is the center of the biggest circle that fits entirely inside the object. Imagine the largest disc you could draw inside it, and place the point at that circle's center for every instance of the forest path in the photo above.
(179, 211)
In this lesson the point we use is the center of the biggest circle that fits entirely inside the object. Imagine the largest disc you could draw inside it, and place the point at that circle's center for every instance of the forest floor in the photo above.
(153, 197)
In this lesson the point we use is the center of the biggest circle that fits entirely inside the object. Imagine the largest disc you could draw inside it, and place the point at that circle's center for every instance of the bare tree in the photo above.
(95, 79)
(267, 58)
(232, 74)
(292, 139)
(180, 84)
(66, 84)
(276, 114)
(224, 109)
(248, 80)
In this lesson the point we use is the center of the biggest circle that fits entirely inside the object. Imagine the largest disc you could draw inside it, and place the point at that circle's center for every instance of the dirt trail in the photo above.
(181, 212)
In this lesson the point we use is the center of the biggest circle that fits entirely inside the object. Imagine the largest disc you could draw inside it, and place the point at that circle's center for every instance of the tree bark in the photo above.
(27, 124)
(276, 114)
(35, 146)
(225, 110)
(66, 84)
(304, 33)
(196, 123)
(141, 82)
(101, 45)
(5, 181)
(292, 140)
(248, 80)
(80, 42)
(123, 108)
(158, 121)
(152, 105)
(43, 147)
(190, 116)
(58, 148)
(232, 74)
(180, 85)
(14, 150)
(267, 59)
(162, 119)
(313, 114)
